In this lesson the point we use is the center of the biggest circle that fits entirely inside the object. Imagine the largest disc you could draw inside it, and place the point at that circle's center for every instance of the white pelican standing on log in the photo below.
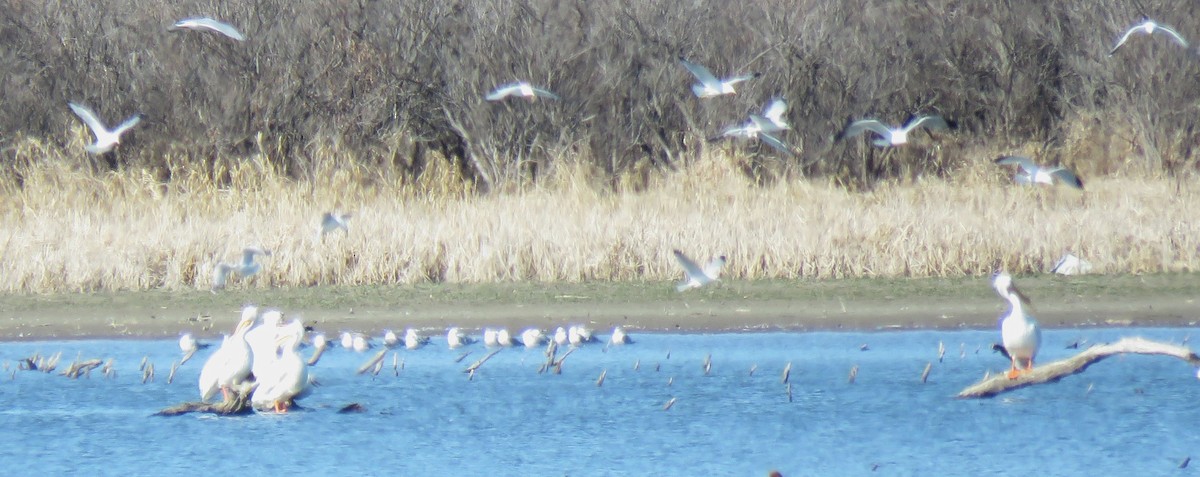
(285, 378)
(1020, 332)
(230, 364)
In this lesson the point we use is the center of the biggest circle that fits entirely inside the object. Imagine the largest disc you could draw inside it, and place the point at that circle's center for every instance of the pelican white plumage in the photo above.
(709, 85)
(206, 23)
(890, 136)
(284, 379)
(414, 340)
(1070, 264)
(455, 338)
(490, 338)
(261, 338)
(520, 89)
(1020, 332)
(560, 336)
(106, 139)
(504, 338)
(332, 221)
(533, 338)
(696, 277)
(231, 363)
(346, 340)
(361, 343)
(1030, 172)
(247, 268)
(619, 337)
(1149, 27)
(189, 345)
(319, 341)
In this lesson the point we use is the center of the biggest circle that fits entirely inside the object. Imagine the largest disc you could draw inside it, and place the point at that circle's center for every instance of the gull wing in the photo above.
(775, 111)
(220, 275)
(858, 127)
(131, 122)
(701, 73)
(928, 122)
(1067, 177)
(545, 93)
(89, 118)
(210, 24)
(1125, 37)
(1178, 38)
(1027, 165)
(745, 130)
(503, 91)
(689, 267)
(713, 269)
(249, 252)
(775, 143)
(738, 79)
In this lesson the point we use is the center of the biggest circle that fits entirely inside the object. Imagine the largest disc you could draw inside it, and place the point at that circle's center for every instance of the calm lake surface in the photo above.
(1134, 415)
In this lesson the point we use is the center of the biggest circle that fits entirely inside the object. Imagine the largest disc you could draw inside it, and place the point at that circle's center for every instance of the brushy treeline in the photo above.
(395, 85)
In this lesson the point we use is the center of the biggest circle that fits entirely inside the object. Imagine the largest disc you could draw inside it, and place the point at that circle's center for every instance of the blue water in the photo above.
(1139, 417)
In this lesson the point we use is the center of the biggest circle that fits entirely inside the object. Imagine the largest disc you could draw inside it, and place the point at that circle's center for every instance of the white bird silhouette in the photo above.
(533, 338)
(696, 277)
(106, 139)
(455, 338)
(709, 85)
(414, 340)
(189, 345)
(889, 136)
(247, 268)
(1149, 27)
(560, 336)
(1020, 332)
(390, 338)
(230, 364)
(284, 379)
(521, 89)
(759, 127)
(205, 23)
(1031, 173)
(619, 337)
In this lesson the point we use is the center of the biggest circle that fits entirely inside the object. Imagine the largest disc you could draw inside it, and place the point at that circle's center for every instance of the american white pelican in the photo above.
(1019, 331)
(709, 85)
(284, 379)
(619, 337)
(1031, 173)
(261, 338)
(533, 338)
(332, 221)
(205, 23)
(560, 336)
(230, 364)
(106, 139)
(696, 277)
(319, 341)
(390, 339)
(414, 340)
(347, 340)
(455, 338)
(246, 269)
(521, 89)
(1149, 27)
(889, 136)
(361, 343)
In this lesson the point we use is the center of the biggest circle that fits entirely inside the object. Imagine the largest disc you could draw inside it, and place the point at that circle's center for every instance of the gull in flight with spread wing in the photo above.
(889, 136)
(205, 23)
(333, 221)
(106, 139)
(1149, 27)
(521, 89)
(247, 268)
(760, 126)
(709, 85)
(1031, 173)
(696, 277)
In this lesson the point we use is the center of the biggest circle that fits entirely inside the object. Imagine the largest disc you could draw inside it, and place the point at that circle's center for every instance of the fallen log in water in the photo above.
(239, 405)
(1052, 372)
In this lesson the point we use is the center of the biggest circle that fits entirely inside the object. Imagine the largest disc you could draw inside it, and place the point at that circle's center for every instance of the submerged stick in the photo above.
(238, 405)
(78, 369)
(471, 369)
(787, 373)
(1052, 372)
(370, 364)
(316, 356)
(853, 374)
(925, 374)
(600, 380)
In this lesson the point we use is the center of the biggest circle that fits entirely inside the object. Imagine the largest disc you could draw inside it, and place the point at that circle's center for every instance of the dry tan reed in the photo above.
(66, 229)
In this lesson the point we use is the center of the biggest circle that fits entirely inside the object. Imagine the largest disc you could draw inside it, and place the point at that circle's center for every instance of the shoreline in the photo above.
(781, 305)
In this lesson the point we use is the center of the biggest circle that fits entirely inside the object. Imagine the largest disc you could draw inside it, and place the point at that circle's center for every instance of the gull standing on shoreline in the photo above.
(696, 277)
(889, 136)
(709, 85)
(1149, 27)
(205, 23)
(106, 139)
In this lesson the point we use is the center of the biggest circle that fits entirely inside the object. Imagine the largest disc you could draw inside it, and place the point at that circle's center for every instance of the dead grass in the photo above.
(65, 229)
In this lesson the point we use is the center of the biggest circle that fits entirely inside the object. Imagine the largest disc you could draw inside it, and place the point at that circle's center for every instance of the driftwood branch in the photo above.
(239, 405)
(1052, 372)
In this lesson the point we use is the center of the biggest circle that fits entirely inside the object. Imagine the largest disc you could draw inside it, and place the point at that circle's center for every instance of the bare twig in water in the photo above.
(925, 374)
(941, 351)
(238, 404)
(471, 369)
(316, 356)
(370, 363)
(753, 368)
(171, 375)
(708, 364)
(1077, 364)
(669, 404)
(853, 374)
(600, 380)
(789, 392)
(462, 357)
(787, 373)
(78, 369)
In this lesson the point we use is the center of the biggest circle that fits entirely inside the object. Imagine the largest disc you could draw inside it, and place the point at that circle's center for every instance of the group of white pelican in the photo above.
(261, 357)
